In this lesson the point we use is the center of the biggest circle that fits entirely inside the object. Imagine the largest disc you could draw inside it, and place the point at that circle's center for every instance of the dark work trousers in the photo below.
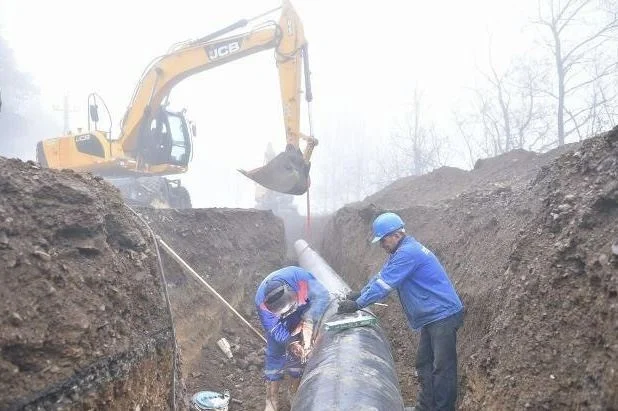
(436, 364)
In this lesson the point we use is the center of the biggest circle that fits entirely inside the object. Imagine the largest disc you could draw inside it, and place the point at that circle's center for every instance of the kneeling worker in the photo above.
(289, 302)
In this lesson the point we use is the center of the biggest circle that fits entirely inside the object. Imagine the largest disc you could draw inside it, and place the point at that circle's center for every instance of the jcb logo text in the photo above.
(221, 50)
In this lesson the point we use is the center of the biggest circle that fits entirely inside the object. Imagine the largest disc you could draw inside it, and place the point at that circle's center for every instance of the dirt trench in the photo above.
(530, 241)
(233, 250)
(85, 318)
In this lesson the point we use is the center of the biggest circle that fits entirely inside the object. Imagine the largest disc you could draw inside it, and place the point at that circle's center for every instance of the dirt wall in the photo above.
(233, 250)
(531, 256)
(83, 308)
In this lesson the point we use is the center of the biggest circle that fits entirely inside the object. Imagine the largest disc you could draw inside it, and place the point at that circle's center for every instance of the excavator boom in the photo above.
(289, 171)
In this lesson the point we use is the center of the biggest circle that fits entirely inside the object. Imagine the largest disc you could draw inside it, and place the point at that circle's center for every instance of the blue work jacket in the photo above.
(425, 291)
(312, 298)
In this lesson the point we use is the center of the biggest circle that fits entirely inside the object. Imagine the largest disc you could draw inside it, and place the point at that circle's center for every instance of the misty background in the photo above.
(400, 87)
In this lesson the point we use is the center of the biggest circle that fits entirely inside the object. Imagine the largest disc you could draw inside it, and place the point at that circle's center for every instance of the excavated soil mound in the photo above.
(85, 324)
(233, 250)
(85, 321)
(512, 169)
(531, 243)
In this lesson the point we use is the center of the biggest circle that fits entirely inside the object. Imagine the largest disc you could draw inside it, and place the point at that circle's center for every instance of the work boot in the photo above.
(272, 396)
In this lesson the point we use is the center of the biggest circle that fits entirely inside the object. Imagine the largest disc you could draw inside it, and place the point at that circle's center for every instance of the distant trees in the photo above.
(16, 85)
(583, 43)
(358, 163)
(566, 89)
(418, 146)
(345, 171)
(562, 88)
(510, 111)
(17, 88)
(22, 119)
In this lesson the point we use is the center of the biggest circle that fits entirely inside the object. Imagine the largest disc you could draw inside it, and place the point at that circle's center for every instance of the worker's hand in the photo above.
(347, 306)
(296, 349)
(352, 295)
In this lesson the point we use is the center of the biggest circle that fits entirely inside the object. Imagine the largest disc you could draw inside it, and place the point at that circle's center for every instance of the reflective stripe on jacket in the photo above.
(425, 291)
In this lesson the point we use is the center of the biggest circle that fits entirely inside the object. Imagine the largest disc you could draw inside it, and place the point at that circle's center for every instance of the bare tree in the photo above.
(510, 110)
(507, 112)
(601, 104)
(420, 147)
(345, 170)
(466, 132)
(581, 32)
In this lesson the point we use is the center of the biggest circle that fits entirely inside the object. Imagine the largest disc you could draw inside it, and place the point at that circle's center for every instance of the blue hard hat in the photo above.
(384, 224)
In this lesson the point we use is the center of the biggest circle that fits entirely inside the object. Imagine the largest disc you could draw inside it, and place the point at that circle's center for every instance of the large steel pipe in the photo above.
(349, 369)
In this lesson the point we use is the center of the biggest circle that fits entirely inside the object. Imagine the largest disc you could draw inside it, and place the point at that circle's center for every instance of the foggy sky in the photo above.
(366, 60)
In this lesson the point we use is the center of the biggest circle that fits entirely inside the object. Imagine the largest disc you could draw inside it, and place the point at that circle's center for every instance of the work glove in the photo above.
(347, 306)
(352, 295)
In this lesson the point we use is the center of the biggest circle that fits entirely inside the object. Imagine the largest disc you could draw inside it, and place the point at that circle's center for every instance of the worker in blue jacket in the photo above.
(289, 302)
(431, 305)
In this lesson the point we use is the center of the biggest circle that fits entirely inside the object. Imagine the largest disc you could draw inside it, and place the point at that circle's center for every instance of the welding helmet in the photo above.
(280, 298)
(385, 224)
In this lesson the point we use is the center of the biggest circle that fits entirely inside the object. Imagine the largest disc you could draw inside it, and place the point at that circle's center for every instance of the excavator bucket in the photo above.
(286, 173)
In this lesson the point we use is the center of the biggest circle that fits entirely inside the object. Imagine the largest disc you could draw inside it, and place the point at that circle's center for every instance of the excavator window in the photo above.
(180, 140)
(167, 140)
(156, 142)
(89, 144)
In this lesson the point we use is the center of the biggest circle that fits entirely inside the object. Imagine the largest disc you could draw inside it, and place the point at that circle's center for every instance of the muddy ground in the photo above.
(530, 241)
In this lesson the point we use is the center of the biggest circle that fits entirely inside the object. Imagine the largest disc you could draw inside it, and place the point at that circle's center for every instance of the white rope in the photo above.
(188, 268)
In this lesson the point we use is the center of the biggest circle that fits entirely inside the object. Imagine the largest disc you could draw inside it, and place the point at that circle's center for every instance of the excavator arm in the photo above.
(154, 142)
(289, 171)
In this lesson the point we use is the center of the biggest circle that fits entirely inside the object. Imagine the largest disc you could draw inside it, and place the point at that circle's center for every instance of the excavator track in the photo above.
(153, 192)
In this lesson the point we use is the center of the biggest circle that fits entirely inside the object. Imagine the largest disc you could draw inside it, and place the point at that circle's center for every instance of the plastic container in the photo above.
(210, 400)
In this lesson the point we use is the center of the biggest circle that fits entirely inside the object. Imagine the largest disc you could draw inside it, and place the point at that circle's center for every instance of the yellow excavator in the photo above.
(155, 142)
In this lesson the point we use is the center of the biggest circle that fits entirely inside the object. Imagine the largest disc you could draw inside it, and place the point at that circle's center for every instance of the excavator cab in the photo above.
(167, 139)
(286, 173)
(180, 139)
